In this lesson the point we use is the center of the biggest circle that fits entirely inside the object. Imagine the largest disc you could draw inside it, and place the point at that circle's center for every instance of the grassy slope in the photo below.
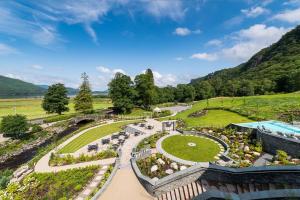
(93, 135)
(264, 107)
(32, 107)
(204, 151)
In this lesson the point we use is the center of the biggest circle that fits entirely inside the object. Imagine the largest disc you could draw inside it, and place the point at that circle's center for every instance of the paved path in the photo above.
(176, 109)
(125, 184)
(93, 184)
(43, 164)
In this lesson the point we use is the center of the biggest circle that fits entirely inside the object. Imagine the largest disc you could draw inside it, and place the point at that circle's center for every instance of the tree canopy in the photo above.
(84, 99)
(122, 93)
(56, 99)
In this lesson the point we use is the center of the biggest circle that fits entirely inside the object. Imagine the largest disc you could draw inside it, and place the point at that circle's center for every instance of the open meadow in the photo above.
(242, 109)
(32, 108)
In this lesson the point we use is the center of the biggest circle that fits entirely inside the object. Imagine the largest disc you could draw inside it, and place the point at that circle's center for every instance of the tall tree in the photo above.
(204, 90)
(145, 88)
(121, 91)
(185, 93)
(56, 99)
(84, 99)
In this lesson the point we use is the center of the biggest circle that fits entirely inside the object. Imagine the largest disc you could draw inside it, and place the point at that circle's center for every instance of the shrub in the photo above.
(282, 155)
(36, 128)
(5, 176)
(14, 126)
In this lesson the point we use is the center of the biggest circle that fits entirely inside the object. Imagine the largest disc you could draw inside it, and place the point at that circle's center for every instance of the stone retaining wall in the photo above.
(272, 142)
(260, 175)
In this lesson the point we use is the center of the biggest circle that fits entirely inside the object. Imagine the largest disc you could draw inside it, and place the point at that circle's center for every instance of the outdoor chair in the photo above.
(92, 147)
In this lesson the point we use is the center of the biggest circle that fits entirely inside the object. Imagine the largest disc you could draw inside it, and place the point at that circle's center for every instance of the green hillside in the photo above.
(11, 88)
(273, 69)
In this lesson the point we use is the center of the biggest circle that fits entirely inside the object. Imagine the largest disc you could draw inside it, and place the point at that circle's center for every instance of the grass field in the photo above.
(32, 107)
(204, 151)
(262, 107)
(93, 135)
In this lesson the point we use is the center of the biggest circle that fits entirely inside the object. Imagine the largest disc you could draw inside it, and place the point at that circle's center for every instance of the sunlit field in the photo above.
(31, 107)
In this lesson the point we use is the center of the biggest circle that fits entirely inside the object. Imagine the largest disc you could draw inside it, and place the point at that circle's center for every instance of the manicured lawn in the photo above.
(204, 151)
(31, 107)
(216, 118)
(92, 135)
(263, 107)
(137, 112)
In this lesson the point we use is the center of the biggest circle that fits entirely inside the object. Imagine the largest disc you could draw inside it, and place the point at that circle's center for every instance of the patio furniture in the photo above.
(105, 141)
(92, 147)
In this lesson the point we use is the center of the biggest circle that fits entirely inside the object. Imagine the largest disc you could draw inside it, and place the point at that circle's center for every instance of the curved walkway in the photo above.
(125, 185)
(43, 164)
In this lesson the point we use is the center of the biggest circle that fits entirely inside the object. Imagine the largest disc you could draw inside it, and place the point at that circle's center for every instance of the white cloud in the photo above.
(106, 74)
(39, 67)
(14, 76)
(205, 56)
(162, 80)
(255, 11)
(214, 42)
(161, 8)
(290, 16)
(5, 49)
(251, 40)
(182, 31)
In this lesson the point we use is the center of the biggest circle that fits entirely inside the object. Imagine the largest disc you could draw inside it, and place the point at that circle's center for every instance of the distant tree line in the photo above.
(142, 92)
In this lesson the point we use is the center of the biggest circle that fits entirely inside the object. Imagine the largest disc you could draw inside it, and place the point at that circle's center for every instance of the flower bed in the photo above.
(243, 148)
(58, 160)
(61, 185)
(282, 158)
(164, 166)
(150, 141)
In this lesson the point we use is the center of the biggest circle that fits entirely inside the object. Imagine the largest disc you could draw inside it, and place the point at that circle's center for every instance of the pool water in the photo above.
(274, 126)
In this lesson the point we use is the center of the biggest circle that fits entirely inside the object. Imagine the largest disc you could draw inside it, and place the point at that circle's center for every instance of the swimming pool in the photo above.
(274, 126)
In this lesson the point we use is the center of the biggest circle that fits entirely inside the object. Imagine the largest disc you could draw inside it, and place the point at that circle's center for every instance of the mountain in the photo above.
(71, 91)
(11, 88)
(273, 69)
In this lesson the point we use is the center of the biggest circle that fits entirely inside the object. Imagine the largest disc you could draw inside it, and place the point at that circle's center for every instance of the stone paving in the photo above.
(93, 184)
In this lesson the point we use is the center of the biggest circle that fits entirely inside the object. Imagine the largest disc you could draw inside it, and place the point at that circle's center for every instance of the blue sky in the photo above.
(51, 41)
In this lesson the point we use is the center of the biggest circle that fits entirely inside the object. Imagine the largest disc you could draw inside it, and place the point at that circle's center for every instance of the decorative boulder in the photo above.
(256, 153)
(223, 137)
(160, 161)
(248, 156)
(182, 167)
(210, 131)
(154, 168)
(234, 156)
(169, 171)
(174, 166)
(246, 149)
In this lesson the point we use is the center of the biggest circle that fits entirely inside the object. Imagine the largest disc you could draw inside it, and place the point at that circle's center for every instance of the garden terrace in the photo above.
(64, 184)
(92, 135)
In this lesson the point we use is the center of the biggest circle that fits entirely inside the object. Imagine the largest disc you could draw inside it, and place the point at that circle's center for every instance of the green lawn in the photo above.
(31, 107)
(204, 151)
(92, 135)
(216, 118)
(136, 112)
(262, 107)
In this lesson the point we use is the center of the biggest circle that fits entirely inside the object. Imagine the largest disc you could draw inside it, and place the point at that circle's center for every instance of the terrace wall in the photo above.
(272, 142)
(259, 175)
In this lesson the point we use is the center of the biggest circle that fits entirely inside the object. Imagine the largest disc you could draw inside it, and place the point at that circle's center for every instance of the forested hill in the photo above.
(273, 69)
(10, 88)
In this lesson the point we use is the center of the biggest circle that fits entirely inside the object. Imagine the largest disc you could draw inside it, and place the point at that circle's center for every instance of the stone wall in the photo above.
(260, 175)
(272, 142)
